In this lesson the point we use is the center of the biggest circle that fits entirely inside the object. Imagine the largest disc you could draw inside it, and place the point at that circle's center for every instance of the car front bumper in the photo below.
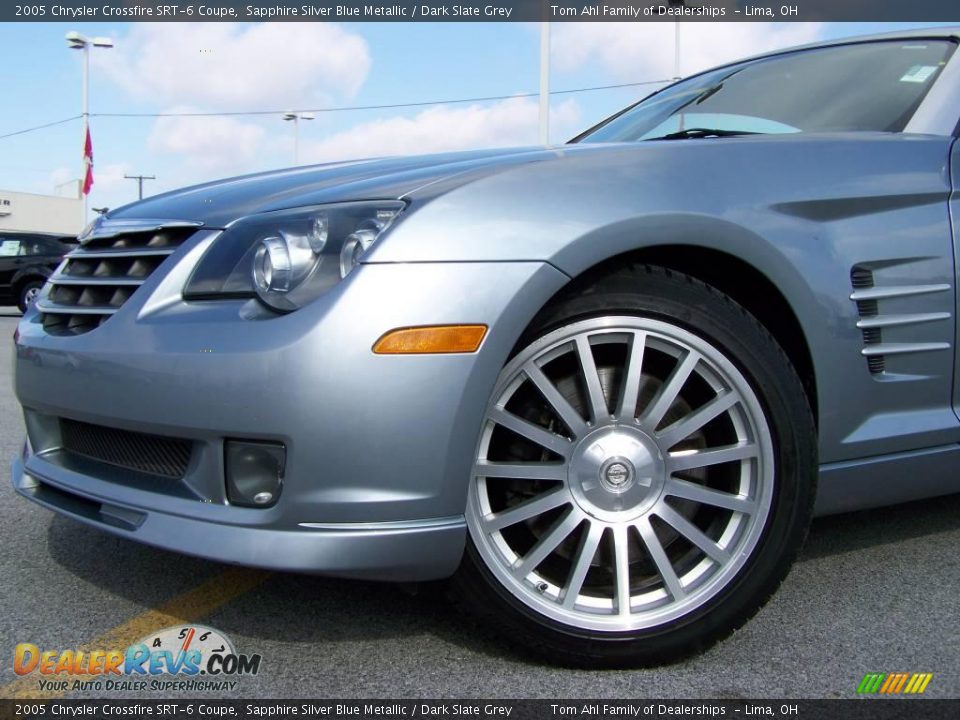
(385, 550)
(379, 449)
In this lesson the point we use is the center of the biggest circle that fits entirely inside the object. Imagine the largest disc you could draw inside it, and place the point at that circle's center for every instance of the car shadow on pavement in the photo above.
(338, 610)
(837, 534)
(312, 609)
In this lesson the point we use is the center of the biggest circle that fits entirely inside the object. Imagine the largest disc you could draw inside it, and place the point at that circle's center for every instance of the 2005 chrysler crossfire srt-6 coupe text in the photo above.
(602, 386)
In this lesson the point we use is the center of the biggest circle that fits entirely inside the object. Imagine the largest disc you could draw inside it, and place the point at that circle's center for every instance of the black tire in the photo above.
(657, 293)
(25, 290)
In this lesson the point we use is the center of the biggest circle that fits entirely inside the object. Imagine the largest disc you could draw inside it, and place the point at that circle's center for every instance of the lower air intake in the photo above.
(141, 452)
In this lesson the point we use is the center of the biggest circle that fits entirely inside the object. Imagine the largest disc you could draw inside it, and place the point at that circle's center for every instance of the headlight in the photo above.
(289, 257)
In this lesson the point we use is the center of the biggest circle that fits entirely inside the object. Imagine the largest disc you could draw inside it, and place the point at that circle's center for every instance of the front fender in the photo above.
(803, 210)
(39, 272)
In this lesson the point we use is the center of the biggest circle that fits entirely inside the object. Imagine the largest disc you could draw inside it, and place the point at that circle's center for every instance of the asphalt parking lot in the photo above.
(874, 591)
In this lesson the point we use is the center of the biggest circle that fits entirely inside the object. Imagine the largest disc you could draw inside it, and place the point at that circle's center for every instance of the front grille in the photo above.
(97, 278)
(151, 454)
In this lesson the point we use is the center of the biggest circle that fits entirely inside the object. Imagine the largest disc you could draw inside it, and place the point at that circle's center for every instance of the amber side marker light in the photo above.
(431, 339)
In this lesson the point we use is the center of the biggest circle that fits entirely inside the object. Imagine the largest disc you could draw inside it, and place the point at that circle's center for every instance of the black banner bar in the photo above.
(481, 11)
(860, 709)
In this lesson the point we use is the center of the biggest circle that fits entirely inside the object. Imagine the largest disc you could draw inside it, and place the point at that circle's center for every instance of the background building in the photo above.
(27, 212)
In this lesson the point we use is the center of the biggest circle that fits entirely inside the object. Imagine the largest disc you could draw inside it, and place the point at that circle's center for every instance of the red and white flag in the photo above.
(88, 163)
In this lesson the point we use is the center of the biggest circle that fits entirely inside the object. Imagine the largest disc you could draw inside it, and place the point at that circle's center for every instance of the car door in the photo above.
(43, 253)
(9, 262)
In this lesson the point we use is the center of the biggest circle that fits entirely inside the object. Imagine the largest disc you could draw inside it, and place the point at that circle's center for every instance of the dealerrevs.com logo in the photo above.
(179, 658)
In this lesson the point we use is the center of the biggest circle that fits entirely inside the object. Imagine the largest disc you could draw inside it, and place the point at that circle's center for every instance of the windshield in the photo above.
(874, 86)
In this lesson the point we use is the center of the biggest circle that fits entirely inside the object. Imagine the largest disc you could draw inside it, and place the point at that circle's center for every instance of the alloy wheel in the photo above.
(624, 474)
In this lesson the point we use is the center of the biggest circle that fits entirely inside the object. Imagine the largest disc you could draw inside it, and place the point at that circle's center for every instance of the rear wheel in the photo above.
(644, 476)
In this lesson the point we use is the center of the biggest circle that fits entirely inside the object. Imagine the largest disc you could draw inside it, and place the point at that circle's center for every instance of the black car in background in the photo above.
(26, 261)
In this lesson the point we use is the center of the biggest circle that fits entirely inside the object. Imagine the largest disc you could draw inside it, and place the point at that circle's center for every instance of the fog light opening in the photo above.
(254, 472)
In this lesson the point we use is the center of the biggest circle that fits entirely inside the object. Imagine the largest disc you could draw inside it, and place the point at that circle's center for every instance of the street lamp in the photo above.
(544, 83)
(676, 39)
(296, 117)
(76, 41)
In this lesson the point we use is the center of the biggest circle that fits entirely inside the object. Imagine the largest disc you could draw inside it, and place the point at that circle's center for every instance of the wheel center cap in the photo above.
(616, 472)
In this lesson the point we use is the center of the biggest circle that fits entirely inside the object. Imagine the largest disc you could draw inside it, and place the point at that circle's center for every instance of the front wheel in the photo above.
(644, 477)
(28, 294)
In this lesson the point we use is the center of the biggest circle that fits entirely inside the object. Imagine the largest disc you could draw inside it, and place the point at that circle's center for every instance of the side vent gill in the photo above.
(861, 279)
(873, 320)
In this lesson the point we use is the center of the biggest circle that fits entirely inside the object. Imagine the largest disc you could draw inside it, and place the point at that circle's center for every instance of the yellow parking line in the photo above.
(187, 607)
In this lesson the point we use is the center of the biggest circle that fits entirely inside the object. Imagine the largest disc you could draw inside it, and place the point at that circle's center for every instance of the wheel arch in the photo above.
(729, 273)
(27, 275)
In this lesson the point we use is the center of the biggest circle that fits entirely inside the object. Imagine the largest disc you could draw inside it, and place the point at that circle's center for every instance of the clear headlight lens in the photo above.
(290, 257)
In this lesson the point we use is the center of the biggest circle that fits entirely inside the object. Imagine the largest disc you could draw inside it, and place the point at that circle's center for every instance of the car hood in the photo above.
(216, 204)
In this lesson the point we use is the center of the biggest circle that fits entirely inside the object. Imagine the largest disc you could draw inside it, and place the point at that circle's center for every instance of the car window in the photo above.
(720, 121)
(32, 247)
(875, 86)
(9, 248)
(44, 246)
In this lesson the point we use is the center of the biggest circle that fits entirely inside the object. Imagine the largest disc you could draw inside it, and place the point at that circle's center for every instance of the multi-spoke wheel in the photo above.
(629, 471)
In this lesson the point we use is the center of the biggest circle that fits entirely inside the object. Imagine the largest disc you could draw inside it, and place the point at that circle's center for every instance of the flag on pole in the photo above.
(88, 164)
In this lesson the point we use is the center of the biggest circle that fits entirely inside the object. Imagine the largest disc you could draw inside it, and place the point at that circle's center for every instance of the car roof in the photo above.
(63, 237)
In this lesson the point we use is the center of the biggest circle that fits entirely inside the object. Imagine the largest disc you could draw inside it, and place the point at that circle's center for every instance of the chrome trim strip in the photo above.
(86, 254)
(107, 228)
(388, 526)
(882, 321)
(902, 348)
(170, 290)
(880, 293)
(54, 309)
(60, 279)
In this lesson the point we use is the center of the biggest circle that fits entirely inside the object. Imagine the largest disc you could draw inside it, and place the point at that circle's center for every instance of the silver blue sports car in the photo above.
(602, 387)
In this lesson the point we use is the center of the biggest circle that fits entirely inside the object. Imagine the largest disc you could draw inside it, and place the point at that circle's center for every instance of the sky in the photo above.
(220, 67)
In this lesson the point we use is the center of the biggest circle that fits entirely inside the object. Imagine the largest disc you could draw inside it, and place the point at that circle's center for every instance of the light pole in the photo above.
(76, 41)
(676, 50)
(296, 117)
(544, 83)
(676, 39)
